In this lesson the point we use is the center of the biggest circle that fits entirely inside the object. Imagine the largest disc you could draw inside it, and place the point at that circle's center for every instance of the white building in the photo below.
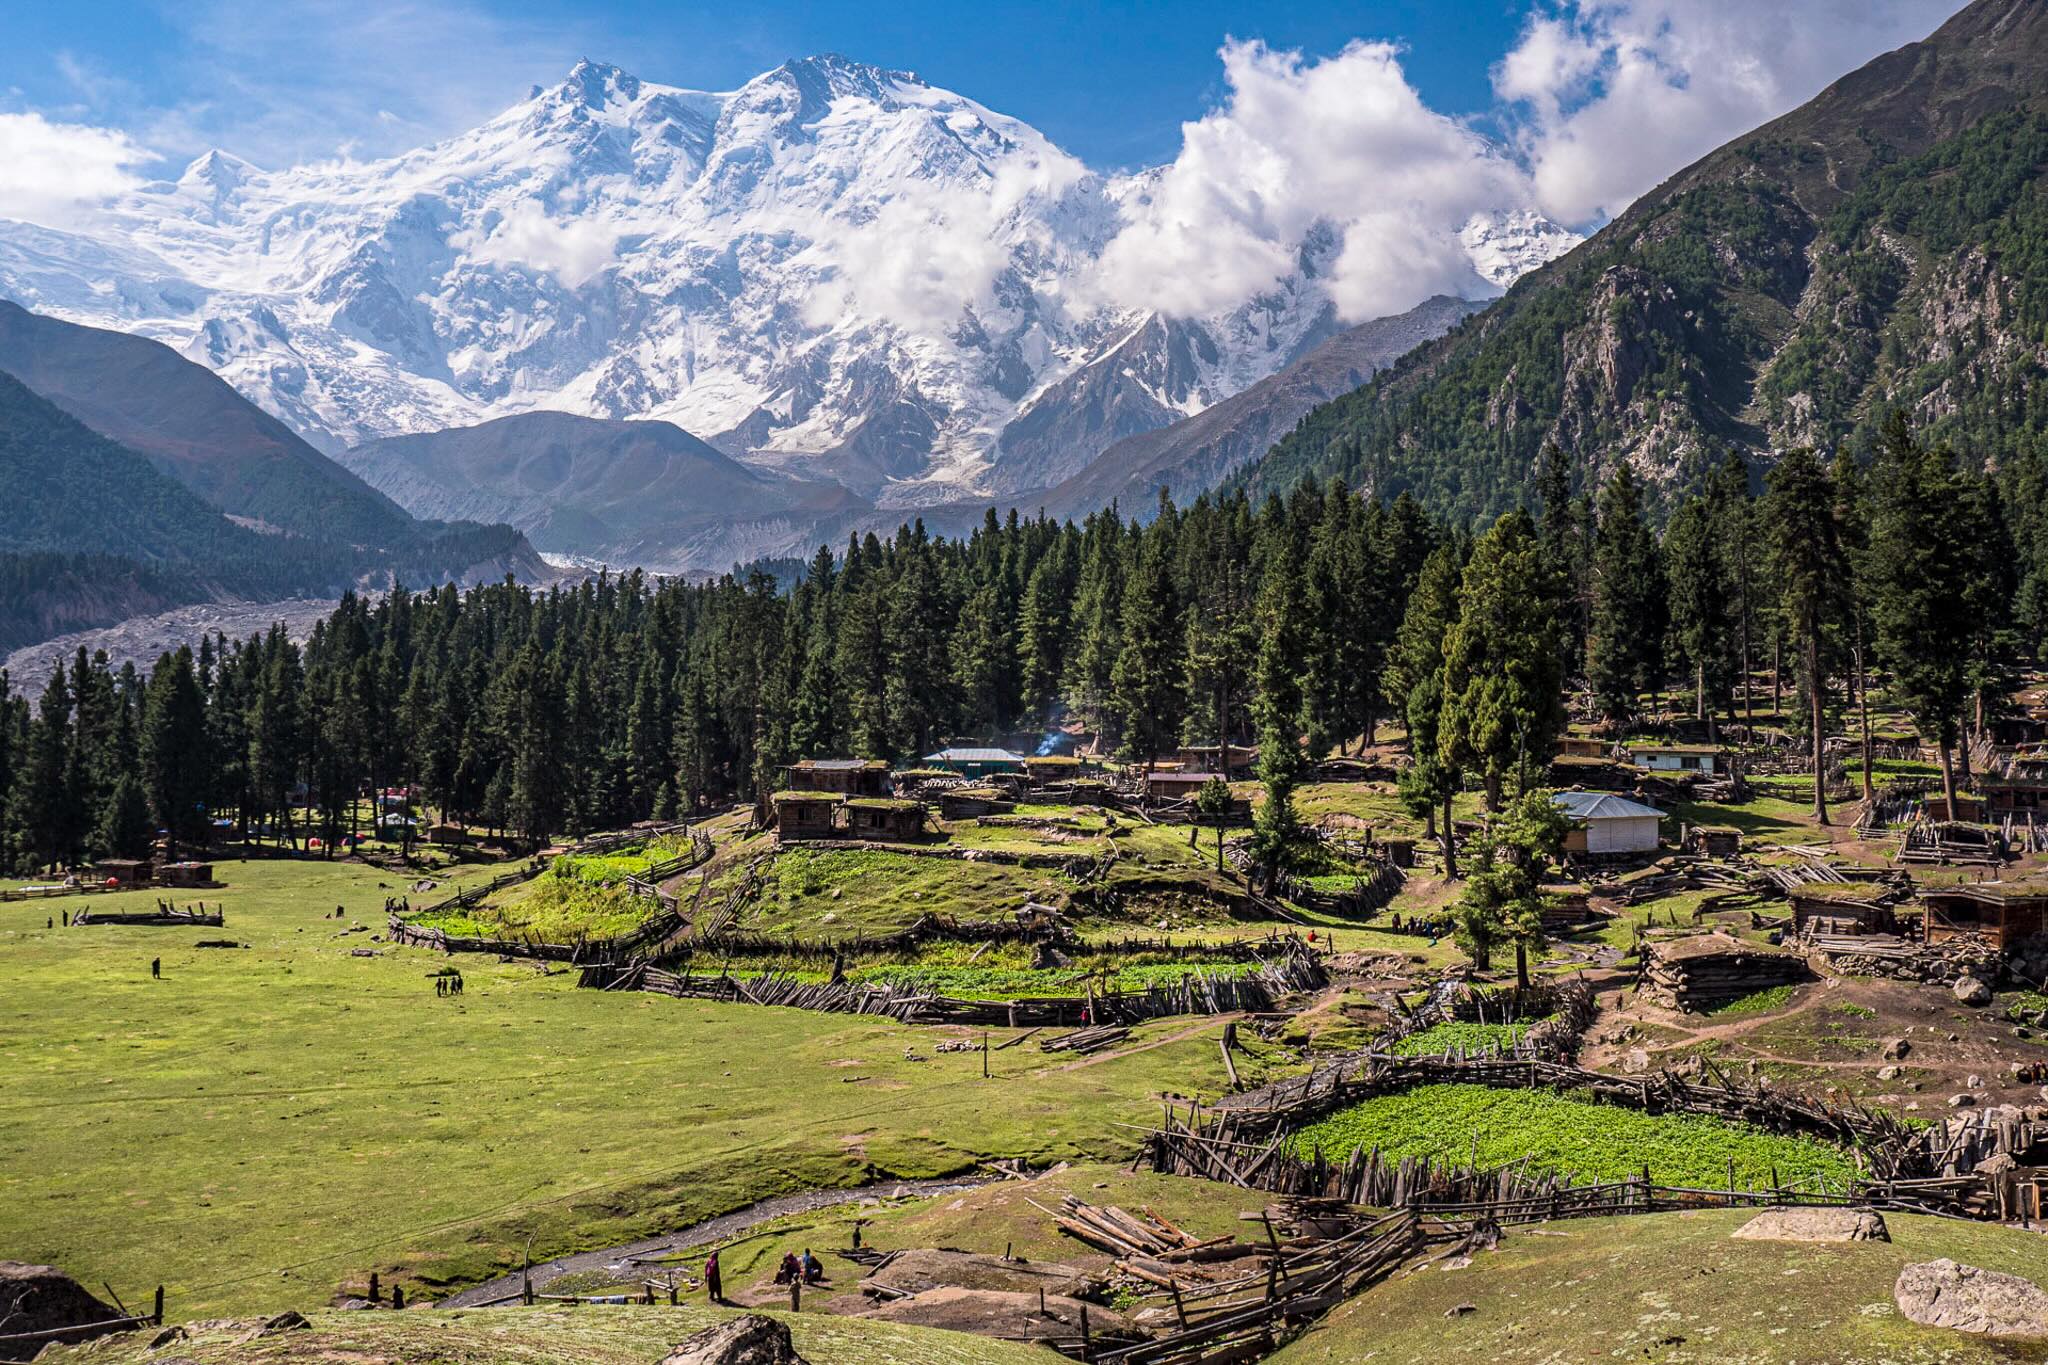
(1604, 823)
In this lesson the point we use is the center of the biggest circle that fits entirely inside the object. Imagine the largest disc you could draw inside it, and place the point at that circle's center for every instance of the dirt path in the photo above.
(506, 1288)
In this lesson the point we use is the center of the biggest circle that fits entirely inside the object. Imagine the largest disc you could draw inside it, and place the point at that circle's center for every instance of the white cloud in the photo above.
(1344, 144)
(1614, 96)
(53, 173)
(570, 249)
(926, 253)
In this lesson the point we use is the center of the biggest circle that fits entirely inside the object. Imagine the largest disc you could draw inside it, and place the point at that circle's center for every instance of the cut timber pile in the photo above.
(1701, 971)
(163, 914)
(1108, 1228)
(1086, 1039)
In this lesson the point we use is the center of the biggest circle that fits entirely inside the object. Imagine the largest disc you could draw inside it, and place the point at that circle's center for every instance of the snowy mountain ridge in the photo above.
(837, 270)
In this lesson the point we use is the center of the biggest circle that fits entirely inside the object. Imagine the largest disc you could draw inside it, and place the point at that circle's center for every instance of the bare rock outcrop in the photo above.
(750, 1339)
(1989, 1303)
(42, 1298)
(1815, 1225)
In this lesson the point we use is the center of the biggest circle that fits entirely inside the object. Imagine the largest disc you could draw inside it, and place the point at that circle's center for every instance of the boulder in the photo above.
(1991, 1303)
(291, 1320)
(1888, 1073)
(1815, 1225)
(1895, 1049)
(749, 1339)
(1970, 991)
(42, 1298)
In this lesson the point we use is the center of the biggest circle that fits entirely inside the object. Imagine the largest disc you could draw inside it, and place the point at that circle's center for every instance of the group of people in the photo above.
(807, 1269)
(448, 985)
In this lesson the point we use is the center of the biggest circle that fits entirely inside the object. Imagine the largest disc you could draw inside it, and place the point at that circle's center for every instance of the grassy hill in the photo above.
(1669, 1288)
(262, 1124)
(1877, 247)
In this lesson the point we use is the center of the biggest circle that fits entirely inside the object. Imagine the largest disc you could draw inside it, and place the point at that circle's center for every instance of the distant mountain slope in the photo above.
(1881, 245)
(94, 532)
(190, 422)
(198, 431)
(641, 493)
(1199, 452)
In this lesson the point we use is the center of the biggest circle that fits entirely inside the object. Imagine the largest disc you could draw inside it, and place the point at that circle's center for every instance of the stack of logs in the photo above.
(1702, 971)
(1086, 1040)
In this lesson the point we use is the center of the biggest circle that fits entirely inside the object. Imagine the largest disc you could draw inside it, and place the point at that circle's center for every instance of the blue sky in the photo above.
(1111, 83)
(1391, 107)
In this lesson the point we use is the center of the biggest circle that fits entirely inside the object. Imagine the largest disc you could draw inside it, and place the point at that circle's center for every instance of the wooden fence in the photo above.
(1198, 992)
(164, 914)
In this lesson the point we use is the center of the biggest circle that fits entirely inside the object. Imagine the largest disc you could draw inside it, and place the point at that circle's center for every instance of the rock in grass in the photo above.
(1990, 1303)
(291, 1320)
(1895, 1049)
(750, 1339)
(1815, 1225)
(42, 1298)
(1970, 991)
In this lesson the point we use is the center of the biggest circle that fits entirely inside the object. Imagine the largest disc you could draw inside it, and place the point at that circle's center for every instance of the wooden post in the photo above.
(671, 1292)
(375, 1296)
(1179, 1309)
(984, 1055)
(796, 1294)
(1087, 1342)
(157, 1317)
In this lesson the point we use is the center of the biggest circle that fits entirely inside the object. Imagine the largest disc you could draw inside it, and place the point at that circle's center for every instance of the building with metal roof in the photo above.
(1606, 823)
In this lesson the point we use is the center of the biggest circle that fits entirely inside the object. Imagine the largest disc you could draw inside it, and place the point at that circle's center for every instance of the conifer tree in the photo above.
(1702, 624)
(1811, 570)
(1921, 562)
(1415, 687)
(1280, 709)
(1503, 665)
(1625, 632)
(1146, 680)
(174, 758)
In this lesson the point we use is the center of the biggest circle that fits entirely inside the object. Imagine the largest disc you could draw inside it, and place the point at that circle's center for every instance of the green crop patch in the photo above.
(1461, 1034)
(1558, 1134)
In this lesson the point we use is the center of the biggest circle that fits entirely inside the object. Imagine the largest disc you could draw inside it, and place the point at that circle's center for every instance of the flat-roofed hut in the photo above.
(968, 803)
(1700, 972)
(1842, 908)
(884, 817)
(976, 762)
(122, 871)
(805, 815)
(1713, 841)
(1045, 769)
(2001, 913)
(846, 776)
(188, 875)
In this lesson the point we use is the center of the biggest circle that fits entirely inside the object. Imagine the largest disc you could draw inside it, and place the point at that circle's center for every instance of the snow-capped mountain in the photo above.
(837, 270)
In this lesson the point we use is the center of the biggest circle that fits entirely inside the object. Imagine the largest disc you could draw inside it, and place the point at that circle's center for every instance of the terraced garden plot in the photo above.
(1554, 1133)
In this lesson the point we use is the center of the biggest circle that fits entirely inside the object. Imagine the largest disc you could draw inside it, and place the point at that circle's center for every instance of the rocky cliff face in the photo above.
(1877, 248)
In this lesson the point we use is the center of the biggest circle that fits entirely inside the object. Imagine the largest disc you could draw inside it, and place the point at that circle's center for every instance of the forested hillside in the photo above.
(94, 532)
(1878, 248)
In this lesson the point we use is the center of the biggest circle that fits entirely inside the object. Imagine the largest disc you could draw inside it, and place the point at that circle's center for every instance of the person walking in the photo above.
(712, 1281)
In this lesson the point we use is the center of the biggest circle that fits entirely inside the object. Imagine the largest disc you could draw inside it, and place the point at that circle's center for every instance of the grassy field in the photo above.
(1673, 1288)
(623, 1335)
(1589, 1141)
(261, 1125)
